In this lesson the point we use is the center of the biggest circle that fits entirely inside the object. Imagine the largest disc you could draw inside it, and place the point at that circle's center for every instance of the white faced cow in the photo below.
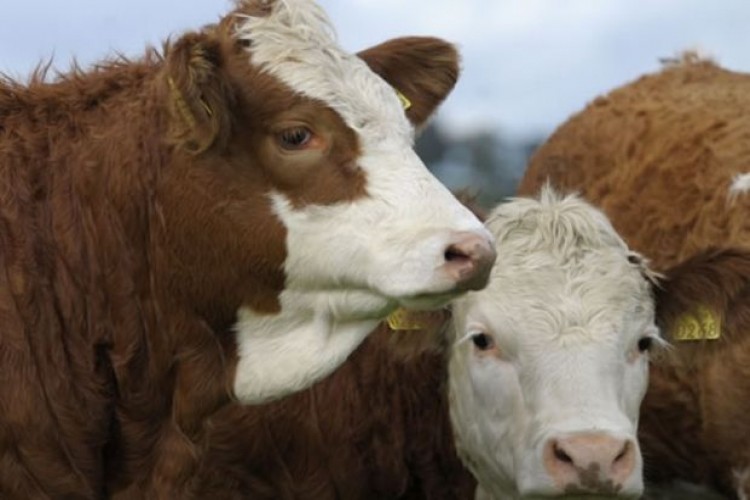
(550, 363)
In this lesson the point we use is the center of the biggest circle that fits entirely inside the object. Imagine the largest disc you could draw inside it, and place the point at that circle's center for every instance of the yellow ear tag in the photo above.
(700, 324)
(405, 102)
(401, 319)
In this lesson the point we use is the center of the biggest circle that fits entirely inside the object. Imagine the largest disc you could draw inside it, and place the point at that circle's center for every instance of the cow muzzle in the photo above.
(591, 463)
(468, 260)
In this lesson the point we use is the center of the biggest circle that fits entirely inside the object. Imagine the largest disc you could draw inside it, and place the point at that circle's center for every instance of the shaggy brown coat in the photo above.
(659, 156)
(377, 428)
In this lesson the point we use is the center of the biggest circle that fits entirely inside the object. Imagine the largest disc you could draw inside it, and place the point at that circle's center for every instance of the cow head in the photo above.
(549, 363)
(295, 200)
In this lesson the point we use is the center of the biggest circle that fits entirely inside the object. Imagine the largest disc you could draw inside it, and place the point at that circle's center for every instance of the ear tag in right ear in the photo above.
(699, 324)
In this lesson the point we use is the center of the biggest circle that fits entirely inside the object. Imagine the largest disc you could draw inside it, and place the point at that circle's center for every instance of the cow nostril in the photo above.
(623, 452)
(454, 254)
(561, 455)
(468, 259)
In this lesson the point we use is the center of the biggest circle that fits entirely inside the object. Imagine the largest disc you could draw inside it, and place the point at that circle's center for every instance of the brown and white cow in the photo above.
(667, 158)
(226, 220)
(538, 374)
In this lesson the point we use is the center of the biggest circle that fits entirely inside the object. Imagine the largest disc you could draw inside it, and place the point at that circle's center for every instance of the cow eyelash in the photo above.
(295, 138)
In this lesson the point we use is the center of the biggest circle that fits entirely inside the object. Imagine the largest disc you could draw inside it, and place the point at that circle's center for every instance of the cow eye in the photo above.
(645, 343)
(482, 341)
(295, 138)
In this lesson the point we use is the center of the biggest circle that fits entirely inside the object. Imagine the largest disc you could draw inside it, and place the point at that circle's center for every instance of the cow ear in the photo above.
(644, 267)
(422, 69)
(198, 97)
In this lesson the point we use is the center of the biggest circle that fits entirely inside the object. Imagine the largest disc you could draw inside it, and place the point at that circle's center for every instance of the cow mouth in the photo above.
(429, 301)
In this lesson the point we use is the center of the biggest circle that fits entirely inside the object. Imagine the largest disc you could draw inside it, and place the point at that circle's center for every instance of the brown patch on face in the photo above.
(240, 135)
(323, 170)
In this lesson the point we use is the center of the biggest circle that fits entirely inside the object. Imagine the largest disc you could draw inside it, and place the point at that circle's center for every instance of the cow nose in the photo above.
(590, 462)
(469, 259)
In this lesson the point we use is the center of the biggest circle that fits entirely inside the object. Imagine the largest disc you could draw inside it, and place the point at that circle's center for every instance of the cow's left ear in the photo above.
(644, 267)
(196, 95)
(423, 69)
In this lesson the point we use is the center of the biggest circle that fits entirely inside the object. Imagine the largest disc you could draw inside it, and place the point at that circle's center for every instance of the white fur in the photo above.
(386, 249)
(740, 185)
(566, 309)
(307, 341)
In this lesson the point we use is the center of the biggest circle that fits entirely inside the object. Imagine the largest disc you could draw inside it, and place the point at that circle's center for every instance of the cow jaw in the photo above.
(282, 353)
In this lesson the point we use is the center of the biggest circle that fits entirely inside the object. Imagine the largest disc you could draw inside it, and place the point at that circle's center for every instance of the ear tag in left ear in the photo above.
(401, 319)
(700, 324)
(405, 102)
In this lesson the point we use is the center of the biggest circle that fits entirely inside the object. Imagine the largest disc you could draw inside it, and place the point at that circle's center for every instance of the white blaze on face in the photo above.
(549, 361)
(348, 264)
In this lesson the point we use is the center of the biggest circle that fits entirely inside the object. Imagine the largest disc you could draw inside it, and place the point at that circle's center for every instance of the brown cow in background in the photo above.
(665, 157)
(668, 159)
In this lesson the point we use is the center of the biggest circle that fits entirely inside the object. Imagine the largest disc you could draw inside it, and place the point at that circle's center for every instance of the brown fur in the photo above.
(658, 155)
(126, 248)
(694, 420)
(377, 428)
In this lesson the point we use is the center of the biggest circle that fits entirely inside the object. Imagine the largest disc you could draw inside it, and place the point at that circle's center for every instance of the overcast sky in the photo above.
(527, 64)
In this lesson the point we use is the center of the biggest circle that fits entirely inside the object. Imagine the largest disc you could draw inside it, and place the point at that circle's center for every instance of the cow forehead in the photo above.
(296, 43)
(541, 303)
(601, 275)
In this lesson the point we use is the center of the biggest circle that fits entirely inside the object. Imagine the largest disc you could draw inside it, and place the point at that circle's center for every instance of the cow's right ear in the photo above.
(198, 98)
(423, 70)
